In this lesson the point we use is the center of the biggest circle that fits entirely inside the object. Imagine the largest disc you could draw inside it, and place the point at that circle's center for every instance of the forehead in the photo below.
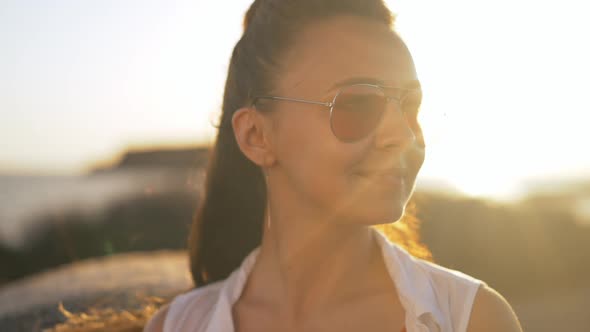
(330, 51)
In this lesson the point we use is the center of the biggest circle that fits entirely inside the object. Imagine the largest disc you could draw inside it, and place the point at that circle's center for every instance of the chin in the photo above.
(379, 215)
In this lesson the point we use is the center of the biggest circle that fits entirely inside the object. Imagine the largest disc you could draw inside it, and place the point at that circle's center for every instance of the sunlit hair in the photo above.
(229, 221)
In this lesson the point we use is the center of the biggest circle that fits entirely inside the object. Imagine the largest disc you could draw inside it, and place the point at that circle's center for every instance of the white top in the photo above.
(435, 298)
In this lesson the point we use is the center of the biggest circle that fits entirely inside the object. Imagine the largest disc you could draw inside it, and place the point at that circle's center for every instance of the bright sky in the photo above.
(505, 83)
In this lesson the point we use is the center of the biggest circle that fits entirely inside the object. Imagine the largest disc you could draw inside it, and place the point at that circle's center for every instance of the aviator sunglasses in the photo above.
(356, 109)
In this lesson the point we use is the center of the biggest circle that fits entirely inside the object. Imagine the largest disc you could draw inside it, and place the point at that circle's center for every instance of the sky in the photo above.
(505, 84)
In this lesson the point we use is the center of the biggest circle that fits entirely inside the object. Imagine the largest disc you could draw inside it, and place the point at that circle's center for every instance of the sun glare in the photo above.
(497, 108)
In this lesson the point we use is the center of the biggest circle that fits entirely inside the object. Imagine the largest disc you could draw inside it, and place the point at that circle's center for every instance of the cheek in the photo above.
(317, 165)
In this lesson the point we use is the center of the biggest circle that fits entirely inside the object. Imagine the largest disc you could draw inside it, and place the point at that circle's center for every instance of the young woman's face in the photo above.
(351, 182)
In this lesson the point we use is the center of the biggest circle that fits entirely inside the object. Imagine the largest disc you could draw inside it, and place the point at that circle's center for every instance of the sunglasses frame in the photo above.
(332, 103)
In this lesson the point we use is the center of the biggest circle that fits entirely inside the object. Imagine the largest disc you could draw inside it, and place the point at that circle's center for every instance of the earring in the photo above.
(268, 214)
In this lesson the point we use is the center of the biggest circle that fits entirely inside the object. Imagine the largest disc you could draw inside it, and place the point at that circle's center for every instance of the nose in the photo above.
(393, 131)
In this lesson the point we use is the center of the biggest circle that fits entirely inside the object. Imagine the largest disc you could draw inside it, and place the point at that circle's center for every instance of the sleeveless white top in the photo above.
(435, 298)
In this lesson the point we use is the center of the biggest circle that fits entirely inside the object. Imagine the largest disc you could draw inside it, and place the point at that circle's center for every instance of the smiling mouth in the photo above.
(388, 178)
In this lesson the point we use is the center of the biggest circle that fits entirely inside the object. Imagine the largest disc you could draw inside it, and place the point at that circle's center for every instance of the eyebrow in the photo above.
(410, 85)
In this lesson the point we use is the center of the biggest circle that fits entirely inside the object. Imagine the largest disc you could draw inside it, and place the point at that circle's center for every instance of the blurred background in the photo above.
(106, 118)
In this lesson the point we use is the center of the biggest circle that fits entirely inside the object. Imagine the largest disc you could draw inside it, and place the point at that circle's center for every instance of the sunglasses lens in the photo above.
(357, 111)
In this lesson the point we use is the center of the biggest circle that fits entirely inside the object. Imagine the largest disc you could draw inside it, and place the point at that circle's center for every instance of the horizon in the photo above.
(557, 184)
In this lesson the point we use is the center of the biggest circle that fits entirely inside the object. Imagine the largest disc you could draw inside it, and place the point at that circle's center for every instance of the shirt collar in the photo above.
(412, 283)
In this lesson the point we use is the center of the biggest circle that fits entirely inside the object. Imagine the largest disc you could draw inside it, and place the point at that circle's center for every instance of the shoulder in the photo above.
(491, 312)
(156, 322)
(447, 282)
(191, 308)
(456, 300)
(447, 293)
(455, 290)
(473, 305)
(443, 274)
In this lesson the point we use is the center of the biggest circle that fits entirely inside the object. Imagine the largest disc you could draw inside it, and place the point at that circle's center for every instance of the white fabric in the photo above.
(435, 298)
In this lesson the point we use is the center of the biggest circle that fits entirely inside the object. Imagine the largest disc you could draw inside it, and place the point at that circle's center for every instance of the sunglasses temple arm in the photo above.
(326, 104)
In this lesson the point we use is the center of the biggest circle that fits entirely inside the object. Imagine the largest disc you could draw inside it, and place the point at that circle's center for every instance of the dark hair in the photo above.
(229, 221)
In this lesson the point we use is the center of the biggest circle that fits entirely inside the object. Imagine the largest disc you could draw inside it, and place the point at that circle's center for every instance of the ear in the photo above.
(252, 131)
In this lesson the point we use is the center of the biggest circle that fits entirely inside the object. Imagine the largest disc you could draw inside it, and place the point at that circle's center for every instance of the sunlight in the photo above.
(496, 109)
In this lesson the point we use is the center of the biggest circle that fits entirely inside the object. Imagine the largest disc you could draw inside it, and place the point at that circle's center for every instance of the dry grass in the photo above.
(96, 320)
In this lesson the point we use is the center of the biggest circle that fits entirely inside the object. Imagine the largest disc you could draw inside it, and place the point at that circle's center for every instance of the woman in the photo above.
(319, 140)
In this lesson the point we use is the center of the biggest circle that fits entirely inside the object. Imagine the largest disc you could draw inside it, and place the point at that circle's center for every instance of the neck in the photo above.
(307, 263)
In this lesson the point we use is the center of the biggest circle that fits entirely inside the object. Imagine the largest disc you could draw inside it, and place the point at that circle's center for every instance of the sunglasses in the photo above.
(356, 109)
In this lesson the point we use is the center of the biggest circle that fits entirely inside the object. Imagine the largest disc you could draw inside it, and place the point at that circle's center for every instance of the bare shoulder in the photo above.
(491, 312)
(156, 322)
